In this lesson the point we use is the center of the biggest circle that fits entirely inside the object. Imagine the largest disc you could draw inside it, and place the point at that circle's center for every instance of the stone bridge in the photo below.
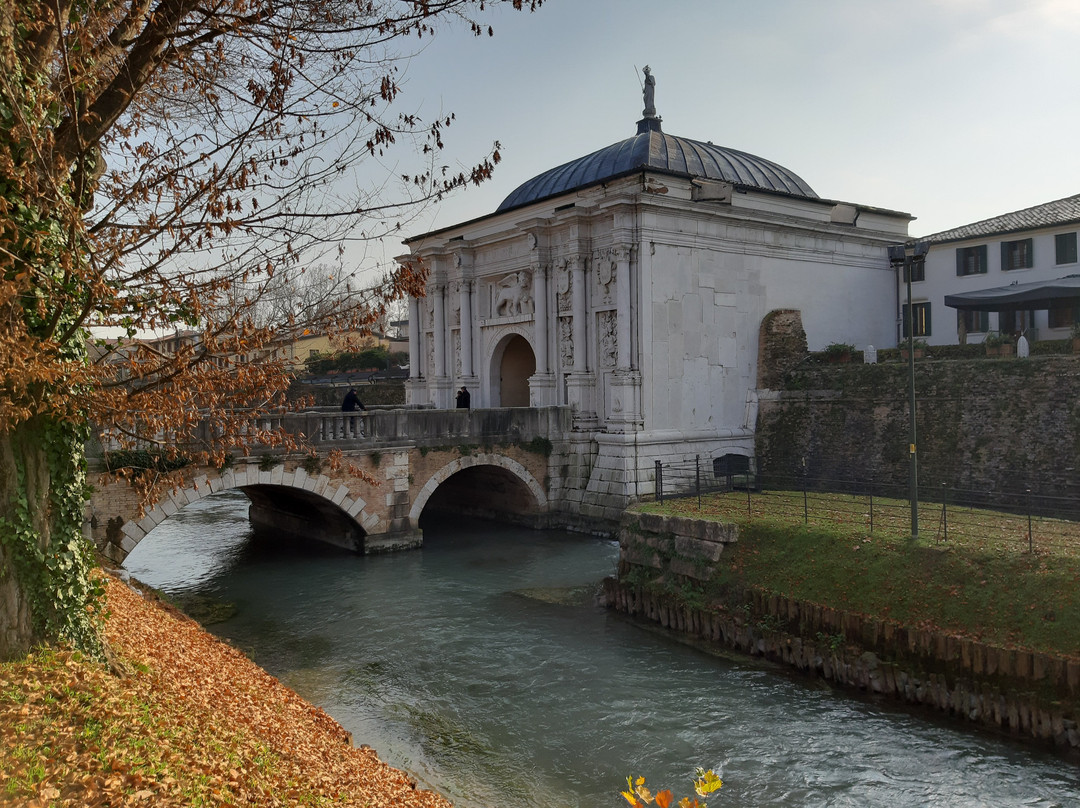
(514, 464)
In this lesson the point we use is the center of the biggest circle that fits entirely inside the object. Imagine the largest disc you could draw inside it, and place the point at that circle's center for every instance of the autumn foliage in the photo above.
(177, 166)
(189, 721)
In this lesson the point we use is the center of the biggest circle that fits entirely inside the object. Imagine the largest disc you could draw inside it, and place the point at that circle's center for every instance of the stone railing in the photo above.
(384, 427)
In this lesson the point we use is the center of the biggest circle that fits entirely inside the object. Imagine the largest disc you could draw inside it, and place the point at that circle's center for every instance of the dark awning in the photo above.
(1062, 293)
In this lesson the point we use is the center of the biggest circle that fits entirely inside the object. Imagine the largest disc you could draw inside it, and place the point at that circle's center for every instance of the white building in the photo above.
(1002, 262)
(630, 284)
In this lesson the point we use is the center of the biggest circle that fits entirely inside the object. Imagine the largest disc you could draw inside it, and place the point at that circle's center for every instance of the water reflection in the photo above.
(480, 664)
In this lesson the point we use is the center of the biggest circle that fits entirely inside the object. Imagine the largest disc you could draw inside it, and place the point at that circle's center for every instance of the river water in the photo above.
(480, 664)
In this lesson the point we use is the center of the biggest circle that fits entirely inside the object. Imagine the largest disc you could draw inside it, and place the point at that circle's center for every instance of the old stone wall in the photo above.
(1029, 695)
(988, 425)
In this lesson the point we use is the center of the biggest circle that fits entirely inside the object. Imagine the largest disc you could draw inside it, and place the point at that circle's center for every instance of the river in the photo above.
(481, 665)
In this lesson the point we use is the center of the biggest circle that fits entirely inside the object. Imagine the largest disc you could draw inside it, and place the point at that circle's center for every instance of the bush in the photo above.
(144, 460)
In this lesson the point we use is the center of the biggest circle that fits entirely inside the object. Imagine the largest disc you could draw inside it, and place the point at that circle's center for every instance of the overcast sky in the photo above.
(951, 110)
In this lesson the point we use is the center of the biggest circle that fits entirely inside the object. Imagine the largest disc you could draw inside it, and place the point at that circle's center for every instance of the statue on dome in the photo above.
(649, 93)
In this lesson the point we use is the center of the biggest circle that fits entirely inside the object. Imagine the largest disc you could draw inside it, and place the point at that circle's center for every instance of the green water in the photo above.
(481, 665)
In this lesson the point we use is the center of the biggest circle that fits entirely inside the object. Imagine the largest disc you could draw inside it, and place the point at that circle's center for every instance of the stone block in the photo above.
(696, 548)
(127, 544)
(370, 522)
(215, 485)
(133, 531)
(340, 495)
(169, 507)
(356, 507)
(321, 485)
(264, 477)
(277, 474)
(300, 478)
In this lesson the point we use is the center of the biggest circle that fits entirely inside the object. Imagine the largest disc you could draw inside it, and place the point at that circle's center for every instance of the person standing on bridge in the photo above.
(352, 403)
(463, 399)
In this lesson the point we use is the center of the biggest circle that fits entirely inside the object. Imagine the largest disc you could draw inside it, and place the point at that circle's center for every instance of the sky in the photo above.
(950, 110)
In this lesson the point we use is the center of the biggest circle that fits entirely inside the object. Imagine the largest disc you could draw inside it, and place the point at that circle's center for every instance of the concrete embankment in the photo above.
(1033, 696)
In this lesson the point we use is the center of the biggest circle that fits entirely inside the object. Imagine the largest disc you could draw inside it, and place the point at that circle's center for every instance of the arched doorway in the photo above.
(516, 365)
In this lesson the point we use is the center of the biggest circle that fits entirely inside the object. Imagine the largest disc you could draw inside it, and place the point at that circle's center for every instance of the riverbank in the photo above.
(179, 719)
(986, 637)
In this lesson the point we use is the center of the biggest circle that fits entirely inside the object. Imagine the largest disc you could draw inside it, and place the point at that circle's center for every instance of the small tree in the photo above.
(175, 164)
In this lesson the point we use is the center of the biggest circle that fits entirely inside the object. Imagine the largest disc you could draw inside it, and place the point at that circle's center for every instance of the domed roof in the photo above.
(652, 149)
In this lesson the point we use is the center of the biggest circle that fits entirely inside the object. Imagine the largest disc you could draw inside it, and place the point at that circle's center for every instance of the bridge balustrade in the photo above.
(388, 427)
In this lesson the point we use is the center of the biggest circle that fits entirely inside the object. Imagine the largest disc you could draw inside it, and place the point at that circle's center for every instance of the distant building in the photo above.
(1007, 274)
(630, 284)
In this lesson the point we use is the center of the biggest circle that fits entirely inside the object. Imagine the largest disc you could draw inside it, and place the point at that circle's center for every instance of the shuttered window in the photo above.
(971, 260)
(1065, 248)
(1017, 254)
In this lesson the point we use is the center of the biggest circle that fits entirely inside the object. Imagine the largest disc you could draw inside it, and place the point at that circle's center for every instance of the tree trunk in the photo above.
(47, 589)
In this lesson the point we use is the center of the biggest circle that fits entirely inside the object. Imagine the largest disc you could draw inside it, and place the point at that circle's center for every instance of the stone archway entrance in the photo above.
(516, 364)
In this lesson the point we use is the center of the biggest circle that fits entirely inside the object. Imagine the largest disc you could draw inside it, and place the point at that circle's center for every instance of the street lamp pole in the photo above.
(899, 257)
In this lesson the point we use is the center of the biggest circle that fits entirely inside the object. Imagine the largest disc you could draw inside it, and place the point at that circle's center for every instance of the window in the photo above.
(921, 313)
(971, 260)
(1065, 248)
(973, 322)
(1064, 318)
(1016, 255)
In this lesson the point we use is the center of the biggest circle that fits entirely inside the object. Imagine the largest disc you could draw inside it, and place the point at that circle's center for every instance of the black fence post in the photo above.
(944, 512)
(1031, 540)
(697, 479)
(805, 501)
(659, 480)
(871, 506)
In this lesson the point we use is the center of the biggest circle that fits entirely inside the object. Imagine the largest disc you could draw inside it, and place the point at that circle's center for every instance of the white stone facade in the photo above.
(639, 303)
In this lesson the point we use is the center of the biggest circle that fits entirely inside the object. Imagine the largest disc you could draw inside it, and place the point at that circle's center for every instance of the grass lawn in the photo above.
(985, 580)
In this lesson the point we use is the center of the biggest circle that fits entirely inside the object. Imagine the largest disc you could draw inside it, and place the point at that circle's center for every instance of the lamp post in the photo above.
(899, 256)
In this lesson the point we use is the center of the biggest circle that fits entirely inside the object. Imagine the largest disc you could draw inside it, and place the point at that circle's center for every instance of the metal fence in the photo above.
(1020, 517)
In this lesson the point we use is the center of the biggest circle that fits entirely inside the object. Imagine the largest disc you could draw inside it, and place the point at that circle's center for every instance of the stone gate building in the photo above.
(630, 284)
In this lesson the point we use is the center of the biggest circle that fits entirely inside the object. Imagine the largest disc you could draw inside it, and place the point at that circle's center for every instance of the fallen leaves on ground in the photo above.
(187, 721)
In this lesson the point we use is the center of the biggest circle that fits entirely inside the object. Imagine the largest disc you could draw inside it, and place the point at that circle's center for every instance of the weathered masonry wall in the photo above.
(987, 425)
(1033, 696)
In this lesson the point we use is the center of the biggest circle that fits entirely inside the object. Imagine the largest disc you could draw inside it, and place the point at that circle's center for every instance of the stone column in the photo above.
(439, 388)
(438, 299)
(466, 329)
(414, 338)
(579, 329)
(624, 391)
(540, 318)
(414, 387)
(622, 303)
(580, 383)
(542, 391)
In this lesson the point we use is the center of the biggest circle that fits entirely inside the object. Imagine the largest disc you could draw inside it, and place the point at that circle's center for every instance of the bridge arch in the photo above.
(508, 465)
(343, 516)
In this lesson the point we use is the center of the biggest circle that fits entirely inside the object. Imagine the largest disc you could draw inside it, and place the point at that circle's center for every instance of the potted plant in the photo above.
(838, 353)
(998, 344)
(919, 346)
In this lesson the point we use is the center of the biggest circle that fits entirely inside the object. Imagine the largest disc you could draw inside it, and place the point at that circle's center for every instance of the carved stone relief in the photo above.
(566, 342)
(564, 283)
(457, 354)
(606, 272)
(607, 329)
(454, 291)
(512, 295)
(430, 356)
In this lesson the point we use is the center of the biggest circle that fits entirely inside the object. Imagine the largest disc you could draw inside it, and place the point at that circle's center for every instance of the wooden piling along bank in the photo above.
(1031, 695)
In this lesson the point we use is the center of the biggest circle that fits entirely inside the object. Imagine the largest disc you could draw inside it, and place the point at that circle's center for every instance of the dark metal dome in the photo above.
(651, 149)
